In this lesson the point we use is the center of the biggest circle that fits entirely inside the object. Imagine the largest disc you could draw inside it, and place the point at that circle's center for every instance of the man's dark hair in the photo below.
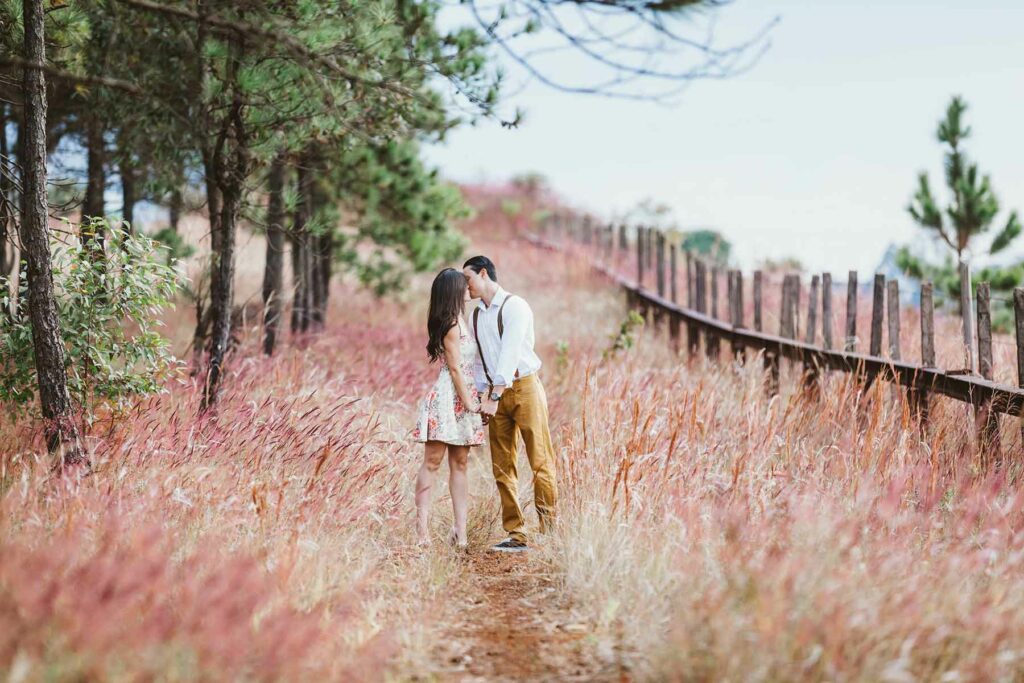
(478, 263)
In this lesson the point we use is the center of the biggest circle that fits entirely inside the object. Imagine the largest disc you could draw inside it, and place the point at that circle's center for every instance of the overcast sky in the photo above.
(813, 153)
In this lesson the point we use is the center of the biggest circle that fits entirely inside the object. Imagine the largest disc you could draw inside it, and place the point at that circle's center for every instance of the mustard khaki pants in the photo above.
(523, 409)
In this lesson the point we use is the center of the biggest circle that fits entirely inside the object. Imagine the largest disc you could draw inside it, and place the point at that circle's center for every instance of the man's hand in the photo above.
(488, 407)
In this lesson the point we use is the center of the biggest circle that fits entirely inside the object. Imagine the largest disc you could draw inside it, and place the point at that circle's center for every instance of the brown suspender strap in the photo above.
(480, 349)
(501, 333)
(501, 325)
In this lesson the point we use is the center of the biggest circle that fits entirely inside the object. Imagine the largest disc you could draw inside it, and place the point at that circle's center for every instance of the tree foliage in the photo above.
(971, 211)
(708, 243)
(109, 301)
(972, 206)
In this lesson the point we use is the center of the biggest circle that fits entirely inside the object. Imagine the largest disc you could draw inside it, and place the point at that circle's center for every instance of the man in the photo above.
(512, 397)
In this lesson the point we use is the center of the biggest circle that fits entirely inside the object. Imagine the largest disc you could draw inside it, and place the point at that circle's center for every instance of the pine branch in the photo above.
(1007, 235)
(15, 61)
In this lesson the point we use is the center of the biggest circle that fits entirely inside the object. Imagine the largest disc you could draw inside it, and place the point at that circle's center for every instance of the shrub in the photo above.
(109, 296)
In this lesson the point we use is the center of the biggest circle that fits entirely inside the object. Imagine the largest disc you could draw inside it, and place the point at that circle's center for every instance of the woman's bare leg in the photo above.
(458, 483)
(433, 454)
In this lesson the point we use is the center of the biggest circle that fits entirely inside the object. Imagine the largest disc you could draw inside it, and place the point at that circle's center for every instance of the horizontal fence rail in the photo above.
(701, 321)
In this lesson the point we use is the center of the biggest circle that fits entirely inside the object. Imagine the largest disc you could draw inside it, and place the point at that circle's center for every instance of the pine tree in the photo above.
(971, 212)
(973, 206)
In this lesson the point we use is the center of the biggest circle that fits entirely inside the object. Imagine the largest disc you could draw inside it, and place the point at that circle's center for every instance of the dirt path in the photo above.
(515, 626)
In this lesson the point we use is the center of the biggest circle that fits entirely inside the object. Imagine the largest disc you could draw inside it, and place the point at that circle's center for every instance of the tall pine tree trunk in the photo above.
(175, 203)
(317, 202)
(300, 253)
(48, 347)
(6, 217)
(273, 274)
(128, 190)
(230, 171)
(298, 276)
(95, 179)
(19, 303)
(222, 276)
(213, 207)
(324, 271)
(174, 209)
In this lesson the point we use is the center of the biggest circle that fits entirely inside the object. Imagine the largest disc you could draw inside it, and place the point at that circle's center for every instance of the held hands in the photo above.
(487, 408)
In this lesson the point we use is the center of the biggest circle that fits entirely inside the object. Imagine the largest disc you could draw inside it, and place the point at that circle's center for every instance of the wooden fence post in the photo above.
(1018, 316)
(785, 319)
(730, 295)
(877, 314)
(739, 298)
(658, 247)
(988, 419)
(927, 325)
(758, 282)
(893, 315)
(673, 331)
(659, 242)
(673, 319)
(921, 397)
(793, 305)
(877, 317)
(690, 298)
(738, 350)
(810, 335)
(826, 310)
(673, 278)
(966, 316)
(893, 299)
(712, 340)
(850, 343)
(702, 286)
(650, 251)
(692, 334)
(639, 256)
(771, 359)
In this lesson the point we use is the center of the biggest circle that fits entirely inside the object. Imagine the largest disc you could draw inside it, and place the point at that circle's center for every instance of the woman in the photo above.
(449, 416)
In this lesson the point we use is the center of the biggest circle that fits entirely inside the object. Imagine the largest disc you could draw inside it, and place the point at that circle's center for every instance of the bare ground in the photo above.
(516, 625)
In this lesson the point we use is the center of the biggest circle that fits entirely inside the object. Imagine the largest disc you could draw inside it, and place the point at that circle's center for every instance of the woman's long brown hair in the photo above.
(447, 299)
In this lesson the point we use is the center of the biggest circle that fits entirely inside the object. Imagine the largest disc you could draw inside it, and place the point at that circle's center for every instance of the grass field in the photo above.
(706, 531)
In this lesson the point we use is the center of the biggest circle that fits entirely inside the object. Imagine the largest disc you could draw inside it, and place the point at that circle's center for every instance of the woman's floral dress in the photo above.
(442, 416)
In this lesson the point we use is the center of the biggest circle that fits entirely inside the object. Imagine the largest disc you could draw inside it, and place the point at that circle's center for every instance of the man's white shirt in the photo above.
(510, 352)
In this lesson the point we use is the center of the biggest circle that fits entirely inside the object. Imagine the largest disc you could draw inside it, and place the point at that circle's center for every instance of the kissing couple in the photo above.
(488, 376)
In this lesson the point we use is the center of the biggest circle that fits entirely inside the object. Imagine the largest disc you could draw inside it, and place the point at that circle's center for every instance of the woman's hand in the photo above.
(478, 408)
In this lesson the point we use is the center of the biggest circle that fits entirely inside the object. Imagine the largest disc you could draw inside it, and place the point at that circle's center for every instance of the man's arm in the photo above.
(479, 378)
(517, 318)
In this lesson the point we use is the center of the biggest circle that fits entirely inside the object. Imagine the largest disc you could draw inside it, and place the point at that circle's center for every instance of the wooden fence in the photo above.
(606, 245)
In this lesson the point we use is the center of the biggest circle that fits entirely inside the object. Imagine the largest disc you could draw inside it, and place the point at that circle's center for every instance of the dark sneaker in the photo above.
(509, 545)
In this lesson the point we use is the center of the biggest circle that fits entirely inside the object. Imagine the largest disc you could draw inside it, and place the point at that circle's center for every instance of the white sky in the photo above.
(814, 153)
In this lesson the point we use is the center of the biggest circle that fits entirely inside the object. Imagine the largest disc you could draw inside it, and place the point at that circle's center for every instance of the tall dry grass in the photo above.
(710, 532)
(270, 539)
(705, 531)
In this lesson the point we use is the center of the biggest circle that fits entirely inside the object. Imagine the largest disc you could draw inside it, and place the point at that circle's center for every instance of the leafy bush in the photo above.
(109, 295)
(624, 339)
(511, 207)
(177, 247)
